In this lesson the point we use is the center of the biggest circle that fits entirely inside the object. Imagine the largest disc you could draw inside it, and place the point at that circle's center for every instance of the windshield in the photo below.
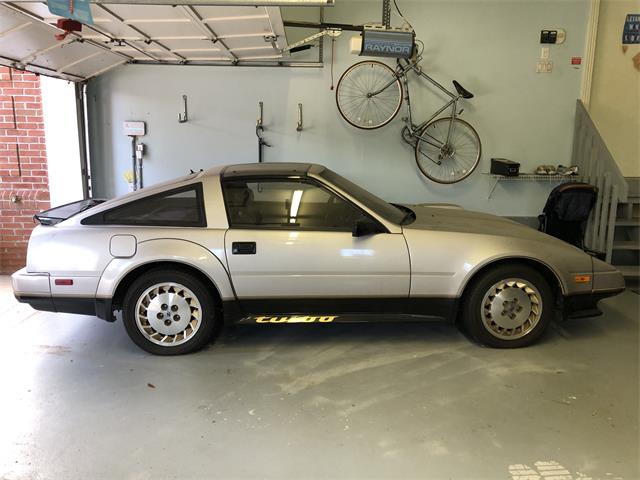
(387, 211)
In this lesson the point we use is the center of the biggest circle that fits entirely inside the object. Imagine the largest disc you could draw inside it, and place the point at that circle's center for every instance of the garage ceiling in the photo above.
(158, 33)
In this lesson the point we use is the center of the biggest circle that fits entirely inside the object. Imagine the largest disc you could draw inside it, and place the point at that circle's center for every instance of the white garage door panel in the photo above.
(9, 23)
(65, 54)
(124, 33)
(95, 65)
(26, 41)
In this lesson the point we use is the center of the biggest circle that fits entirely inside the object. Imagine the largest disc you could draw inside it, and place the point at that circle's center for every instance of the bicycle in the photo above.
(369, 95)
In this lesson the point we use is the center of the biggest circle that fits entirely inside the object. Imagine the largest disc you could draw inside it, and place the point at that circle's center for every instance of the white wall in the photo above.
(490, 47)
(61, 135)
(615, 89)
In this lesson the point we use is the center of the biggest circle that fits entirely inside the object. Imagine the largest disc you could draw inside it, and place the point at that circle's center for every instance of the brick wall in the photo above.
(24, 186)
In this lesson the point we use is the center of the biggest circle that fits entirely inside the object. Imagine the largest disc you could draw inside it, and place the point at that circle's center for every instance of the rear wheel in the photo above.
(169, 313)
(508, 306)
(452, 161)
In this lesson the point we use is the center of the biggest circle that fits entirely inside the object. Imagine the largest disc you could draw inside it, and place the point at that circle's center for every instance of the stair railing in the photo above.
(597, 166)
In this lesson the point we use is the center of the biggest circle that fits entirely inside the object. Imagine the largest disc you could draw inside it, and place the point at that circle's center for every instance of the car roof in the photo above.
(266, 168)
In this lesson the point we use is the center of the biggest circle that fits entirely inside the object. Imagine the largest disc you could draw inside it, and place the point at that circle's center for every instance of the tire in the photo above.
(360, 111)
(508, 306)
(169, 312)
(458, 159)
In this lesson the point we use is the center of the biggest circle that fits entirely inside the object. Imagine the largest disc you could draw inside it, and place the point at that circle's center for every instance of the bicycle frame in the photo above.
(401, 74)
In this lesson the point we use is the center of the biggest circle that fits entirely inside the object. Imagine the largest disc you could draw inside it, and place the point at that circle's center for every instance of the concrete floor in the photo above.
(80, 401)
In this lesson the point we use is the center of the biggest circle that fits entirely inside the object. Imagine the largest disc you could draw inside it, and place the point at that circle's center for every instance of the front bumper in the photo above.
(606, 283)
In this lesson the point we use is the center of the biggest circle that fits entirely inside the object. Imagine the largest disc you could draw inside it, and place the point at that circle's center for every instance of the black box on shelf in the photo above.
(502, 166)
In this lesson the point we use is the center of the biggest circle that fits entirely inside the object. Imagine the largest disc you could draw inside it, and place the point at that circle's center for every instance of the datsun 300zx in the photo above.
(298, 243)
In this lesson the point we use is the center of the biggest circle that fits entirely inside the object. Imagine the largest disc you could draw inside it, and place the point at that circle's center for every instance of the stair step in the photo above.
(623, 222)
(626, 245)
(629, 271)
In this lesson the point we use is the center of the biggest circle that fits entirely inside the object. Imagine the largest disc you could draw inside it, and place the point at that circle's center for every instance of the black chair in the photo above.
(567, 210)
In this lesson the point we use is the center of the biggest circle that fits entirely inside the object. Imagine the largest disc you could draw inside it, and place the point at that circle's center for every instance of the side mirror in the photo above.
(365, 226)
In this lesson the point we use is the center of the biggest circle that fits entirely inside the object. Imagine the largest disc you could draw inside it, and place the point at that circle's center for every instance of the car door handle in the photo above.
(243, 248)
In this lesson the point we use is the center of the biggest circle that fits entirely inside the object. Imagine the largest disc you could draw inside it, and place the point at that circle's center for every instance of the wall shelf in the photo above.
(532, 177)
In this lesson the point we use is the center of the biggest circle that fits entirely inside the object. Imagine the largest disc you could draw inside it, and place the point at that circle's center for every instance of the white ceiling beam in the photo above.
(257, 47)
(191, 50)
(260, 57)
(55, 18)
(181, 37)
(130, 48)
(210, 59)
(248, 35)
(155, 20)
(234, 18)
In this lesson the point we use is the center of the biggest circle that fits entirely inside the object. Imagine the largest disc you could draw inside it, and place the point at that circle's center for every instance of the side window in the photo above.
(181, 207)
(286, 204)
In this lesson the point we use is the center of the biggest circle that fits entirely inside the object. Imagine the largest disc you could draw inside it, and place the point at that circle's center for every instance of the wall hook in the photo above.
(184, 117)
(260, 112)
(259, 133)
(299, 127)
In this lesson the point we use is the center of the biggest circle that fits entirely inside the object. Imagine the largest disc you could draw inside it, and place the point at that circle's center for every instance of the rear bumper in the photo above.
(30, 284)
(79, 305)
(35, 290)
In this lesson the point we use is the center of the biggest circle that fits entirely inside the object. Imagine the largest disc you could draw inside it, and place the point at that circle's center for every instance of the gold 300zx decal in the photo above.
(296, 319)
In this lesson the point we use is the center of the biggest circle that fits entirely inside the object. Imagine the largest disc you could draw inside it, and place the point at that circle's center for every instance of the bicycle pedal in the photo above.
(460, 112)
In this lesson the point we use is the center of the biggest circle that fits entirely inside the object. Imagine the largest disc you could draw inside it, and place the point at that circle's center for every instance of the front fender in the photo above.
(442, 263)
(564, 261)
(167, 250)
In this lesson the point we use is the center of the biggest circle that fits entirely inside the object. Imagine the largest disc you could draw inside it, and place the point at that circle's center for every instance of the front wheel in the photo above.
(369, 95)
(447, 161)
(508, 306)
(169, 313)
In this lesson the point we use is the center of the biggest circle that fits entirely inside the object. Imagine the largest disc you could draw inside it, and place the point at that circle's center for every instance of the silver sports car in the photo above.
(298, 243)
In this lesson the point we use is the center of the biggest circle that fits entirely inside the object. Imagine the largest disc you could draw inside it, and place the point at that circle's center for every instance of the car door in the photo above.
(290, 242)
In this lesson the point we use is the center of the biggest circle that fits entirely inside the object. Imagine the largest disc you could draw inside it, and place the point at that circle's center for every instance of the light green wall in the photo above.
(490, 47)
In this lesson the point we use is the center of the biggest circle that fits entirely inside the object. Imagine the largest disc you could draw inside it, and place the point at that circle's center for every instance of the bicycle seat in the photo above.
(461, 91)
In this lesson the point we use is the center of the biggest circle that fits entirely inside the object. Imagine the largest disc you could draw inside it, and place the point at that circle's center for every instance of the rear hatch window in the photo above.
(63, 212)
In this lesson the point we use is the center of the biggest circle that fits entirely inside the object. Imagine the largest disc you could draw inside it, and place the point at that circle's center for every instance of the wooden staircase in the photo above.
(626, 242)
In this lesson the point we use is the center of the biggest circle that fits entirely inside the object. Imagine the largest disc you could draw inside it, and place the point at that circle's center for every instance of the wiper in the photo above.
(409, 216)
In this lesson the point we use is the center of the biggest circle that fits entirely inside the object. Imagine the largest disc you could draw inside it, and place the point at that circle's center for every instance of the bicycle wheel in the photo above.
(355, 102)
(445, 162)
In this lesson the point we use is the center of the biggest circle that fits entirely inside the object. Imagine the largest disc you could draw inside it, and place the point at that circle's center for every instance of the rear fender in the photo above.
(167, 250)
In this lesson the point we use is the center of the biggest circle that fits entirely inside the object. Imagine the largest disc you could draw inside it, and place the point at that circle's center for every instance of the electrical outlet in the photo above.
(544, 67)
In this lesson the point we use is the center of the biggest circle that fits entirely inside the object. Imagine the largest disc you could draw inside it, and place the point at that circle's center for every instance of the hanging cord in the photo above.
(400, 13)
(333, 52)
